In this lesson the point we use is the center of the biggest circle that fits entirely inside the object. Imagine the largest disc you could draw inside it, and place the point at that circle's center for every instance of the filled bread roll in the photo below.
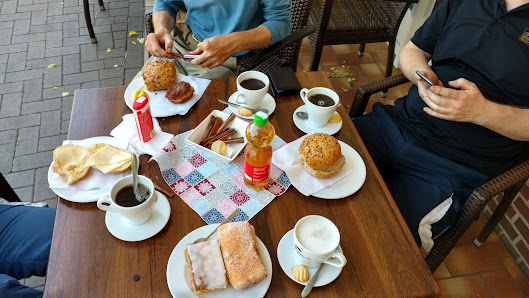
(158, 75)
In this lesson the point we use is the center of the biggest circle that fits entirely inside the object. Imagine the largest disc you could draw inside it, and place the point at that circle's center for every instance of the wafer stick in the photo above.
(219, 136)
(213, 132)
(233, 141)
(227, 122)
(208, 129)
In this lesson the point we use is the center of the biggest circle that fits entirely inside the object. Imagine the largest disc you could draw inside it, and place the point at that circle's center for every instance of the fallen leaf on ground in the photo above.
(109, 50)
(115, 65)
(55, 88)
(65, 94)
(52, 65)
(141, 40)
(133, 42)
(133, 33)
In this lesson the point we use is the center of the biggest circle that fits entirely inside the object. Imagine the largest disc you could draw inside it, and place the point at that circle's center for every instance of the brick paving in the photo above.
(34, 114)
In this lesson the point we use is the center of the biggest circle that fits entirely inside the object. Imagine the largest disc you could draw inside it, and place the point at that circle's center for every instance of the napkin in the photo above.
(287, 159)
(94, 179)
(127, 131)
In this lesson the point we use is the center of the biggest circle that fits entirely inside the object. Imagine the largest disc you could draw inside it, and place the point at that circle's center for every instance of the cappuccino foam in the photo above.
(317, 235)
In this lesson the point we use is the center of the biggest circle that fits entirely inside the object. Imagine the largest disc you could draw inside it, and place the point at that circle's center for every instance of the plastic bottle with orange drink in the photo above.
(258, 152)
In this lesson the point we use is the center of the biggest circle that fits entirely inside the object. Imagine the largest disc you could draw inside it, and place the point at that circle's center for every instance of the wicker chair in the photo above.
(356, 21)
(508, 183)
(6, 192)
(283, 53)
(88, 20)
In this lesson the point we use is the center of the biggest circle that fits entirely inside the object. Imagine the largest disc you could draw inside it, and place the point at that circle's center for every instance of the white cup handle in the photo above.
(105, 199)
(337, 259)
(303, 94)
(237, 96)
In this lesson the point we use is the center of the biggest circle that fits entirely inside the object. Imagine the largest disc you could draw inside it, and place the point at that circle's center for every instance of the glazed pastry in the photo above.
(205, 267)
(300, 273)
(242, 259)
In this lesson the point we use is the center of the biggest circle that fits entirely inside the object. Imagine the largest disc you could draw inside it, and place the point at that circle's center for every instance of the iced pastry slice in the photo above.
(242, 259)
(205, 267)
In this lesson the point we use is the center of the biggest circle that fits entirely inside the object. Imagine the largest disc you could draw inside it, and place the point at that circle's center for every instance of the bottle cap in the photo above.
(140, 102)
(260, 118)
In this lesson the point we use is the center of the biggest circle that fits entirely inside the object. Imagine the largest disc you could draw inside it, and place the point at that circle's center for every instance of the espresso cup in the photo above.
(321, 103)
(316, 240)
(252, 87)
(135, 215)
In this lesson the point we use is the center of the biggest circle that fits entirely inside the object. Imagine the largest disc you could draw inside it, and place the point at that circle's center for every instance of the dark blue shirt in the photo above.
(481, 42)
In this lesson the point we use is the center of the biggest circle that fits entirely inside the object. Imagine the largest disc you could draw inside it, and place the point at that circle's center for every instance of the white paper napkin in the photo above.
(94, 179)
(127, 131)
(287, 159)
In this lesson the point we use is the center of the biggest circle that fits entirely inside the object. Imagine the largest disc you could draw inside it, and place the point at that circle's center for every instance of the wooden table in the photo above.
(87, 261)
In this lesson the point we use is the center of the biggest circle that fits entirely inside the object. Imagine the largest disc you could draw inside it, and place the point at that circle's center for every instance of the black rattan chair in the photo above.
(508, 183)
(283, 53)
(356, 22)
(88, 20)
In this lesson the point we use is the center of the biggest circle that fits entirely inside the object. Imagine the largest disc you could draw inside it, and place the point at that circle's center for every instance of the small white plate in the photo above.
(232, 150)
(120, 229)
(304, 126)
(268, 103)
(177, 278)
(91, 195)
(351, 183)
(161, 106)
(287, 257)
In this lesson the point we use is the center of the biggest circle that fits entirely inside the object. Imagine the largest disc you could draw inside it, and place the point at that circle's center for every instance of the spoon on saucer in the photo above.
(241, 106)
(311, 282)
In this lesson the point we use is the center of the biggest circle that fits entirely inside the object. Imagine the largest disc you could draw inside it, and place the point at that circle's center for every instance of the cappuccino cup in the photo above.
(122, 200)
(252, 87)
(316, 240)
(320, 103)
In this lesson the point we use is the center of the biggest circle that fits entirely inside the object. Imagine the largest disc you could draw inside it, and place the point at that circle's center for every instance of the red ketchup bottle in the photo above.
(142, 115)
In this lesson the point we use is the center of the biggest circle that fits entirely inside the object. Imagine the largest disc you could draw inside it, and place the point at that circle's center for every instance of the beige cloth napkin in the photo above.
(287, 159)
(127, 131)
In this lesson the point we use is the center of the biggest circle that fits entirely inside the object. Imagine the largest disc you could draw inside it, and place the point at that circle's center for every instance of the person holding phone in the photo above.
(220, 32)
(440, 142)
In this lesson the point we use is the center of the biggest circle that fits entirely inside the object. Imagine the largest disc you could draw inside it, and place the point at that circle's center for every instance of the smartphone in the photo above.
(424, 78)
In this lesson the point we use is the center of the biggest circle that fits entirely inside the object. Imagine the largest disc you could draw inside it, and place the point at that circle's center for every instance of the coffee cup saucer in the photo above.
(304, 125)
(122, 230)
(268, 103)
(286, 255)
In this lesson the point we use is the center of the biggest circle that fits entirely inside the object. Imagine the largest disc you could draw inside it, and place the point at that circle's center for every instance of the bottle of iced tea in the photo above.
(258, 153)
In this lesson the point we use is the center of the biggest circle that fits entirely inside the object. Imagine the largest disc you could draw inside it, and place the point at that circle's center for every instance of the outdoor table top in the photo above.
(87, 261)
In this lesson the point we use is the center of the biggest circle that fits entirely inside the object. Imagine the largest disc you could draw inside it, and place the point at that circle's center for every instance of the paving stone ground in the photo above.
(34, 107)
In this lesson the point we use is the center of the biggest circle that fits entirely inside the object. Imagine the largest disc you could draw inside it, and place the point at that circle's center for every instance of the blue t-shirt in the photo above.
(208, 18)
(483, 43)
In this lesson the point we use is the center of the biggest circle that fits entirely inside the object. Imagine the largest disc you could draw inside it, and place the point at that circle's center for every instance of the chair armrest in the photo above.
(364, 92)
(264, 54)
(149, 28)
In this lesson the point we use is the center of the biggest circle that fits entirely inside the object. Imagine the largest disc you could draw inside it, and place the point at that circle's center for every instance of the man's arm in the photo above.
(160, 43)
(411, 59)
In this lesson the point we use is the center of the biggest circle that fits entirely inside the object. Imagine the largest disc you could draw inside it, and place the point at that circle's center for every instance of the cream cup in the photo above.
(319, 115)
(252, 98)
(135, 215)
(316, 240)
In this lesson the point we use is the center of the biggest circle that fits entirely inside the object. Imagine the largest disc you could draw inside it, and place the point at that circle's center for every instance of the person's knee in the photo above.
(10, 287)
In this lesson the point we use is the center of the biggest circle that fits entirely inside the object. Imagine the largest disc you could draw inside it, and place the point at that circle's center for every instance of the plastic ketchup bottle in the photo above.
(258, 153)
(142, 114)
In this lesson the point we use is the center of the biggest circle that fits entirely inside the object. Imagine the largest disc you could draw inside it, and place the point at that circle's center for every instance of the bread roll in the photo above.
(158, 75)
(242, 259)
(69, 161)
(321, 155)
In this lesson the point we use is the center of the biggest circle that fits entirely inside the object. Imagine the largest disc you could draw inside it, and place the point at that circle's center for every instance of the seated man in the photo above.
(25, 240)
(439, 143)
(219, 31)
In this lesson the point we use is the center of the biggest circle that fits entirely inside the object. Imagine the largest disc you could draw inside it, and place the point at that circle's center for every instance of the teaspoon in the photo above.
(304, 115)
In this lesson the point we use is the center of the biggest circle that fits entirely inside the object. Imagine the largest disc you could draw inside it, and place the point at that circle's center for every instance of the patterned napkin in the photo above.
(214, 187)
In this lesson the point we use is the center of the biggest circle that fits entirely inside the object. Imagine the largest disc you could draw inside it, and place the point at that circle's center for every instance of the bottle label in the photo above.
(256, 174)
(144, 123)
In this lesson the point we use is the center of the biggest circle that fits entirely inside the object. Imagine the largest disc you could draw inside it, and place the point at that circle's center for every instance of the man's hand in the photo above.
(465, 105)
(423, 86)
(160, 44)
(214, 51)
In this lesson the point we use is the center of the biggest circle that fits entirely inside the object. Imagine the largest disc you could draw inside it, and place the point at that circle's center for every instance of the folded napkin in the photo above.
(127, 131)
(287, 159)
(94, 179)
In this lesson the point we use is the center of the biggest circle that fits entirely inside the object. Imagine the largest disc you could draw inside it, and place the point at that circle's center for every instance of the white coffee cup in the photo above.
(252, 98)
(135, 215)
(319, 115)
(316, 240)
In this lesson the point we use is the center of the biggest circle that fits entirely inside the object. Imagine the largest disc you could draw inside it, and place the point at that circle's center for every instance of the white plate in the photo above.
(232, 150)
(120, 229)
(157, 100)
(287, 257)
(304, 126)
(178, 282)
(268, 103)
(84, 196)
(351, 183)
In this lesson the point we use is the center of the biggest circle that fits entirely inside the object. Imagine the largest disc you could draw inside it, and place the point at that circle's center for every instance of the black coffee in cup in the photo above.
(321, 100)
(252, 84)
(127, 198)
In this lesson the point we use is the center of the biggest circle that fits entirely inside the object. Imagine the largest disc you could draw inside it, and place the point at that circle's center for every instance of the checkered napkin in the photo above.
(214, 187)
